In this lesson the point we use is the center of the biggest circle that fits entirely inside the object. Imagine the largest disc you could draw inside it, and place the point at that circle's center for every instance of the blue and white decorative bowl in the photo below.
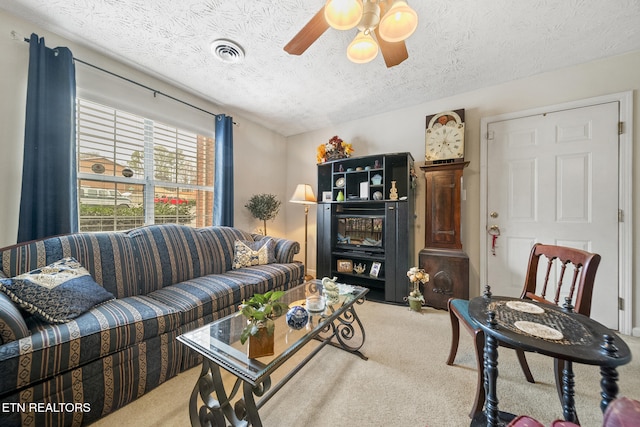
(297, 317)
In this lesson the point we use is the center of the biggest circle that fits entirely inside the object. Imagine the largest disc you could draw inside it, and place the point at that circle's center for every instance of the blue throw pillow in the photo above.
(56, 293)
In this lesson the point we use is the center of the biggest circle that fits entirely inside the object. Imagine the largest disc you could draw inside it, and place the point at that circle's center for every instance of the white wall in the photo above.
(262, 155)
(403, 130)
(259, 153)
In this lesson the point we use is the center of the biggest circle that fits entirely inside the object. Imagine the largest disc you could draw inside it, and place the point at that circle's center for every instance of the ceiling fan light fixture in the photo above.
(363, 48)
(343, 14)
(399, 22)
(370, 16)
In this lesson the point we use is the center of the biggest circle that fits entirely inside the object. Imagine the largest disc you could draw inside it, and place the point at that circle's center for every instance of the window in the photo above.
(134, 171)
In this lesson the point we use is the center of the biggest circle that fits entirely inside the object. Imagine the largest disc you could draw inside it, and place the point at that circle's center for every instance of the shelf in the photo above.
(390, 222)
(363, 276)
(363, 201)
(351, 255)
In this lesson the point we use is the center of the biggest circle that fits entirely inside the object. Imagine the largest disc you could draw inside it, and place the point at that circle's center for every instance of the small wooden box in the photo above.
(344, 266)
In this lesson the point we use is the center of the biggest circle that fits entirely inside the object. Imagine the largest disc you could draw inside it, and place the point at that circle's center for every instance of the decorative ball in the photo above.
(297, 317)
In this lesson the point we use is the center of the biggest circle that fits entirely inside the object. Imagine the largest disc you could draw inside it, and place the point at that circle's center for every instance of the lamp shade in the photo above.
(363, 48)
(399, 22)
(303, 194)
(343, 14)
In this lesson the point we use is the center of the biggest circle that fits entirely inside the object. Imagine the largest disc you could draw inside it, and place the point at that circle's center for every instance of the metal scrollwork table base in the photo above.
(219, 344)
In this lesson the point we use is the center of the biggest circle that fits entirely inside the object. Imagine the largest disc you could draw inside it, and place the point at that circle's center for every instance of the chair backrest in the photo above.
(580, 287)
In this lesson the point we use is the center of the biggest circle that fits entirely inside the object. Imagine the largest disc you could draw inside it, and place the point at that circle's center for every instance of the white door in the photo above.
(553, 178)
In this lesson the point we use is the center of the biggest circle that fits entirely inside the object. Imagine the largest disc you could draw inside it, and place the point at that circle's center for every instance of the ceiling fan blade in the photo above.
(392, 52)
(308, 34)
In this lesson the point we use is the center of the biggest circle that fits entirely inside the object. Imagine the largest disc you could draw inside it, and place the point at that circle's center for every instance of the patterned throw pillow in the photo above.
(56, 293)
(248, 253)
(12, 324)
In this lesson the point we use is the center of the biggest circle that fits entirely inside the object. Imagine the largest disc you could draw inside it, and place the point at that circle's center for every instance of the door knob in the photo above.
(493, 214)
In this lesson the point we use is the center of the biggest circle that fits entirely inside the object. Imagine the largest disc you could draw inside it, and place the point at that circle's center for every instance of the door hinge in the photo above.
(620, 128)
(620, 215)
(620, 303)
(490, 135)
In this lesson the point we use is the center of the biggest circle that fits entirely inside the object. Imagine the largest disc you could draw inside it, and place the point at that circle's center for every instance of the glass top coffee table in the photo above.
(219, 342)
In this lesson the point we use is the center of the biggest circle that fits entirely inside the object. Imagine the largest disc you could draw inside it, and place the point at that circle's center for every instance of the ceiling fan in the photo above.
(392, 21)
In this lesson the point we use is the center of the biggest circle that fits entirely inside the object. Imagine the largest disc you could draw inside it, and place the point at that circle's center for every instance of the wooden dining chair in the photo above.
(578, 296)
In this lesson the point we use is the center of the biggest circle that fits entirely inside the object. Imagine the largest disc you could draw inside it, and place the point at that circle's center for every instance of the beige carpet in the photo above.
(405, 382)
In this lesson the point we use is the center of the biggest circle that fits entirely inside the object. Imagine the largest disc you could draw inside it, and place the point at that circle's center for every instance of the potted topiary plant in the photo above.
(260, 311)
(264, 207)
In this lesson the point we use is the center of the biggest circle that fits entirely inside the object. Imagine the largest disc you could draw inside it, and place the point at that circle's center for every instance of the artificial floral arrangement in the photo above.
(336, 148)
(260, 310)
(417, 276)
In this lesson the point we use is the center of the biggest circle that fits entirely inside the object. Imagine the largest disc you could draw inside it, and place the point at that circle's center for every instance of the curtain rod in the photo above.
(155, 91)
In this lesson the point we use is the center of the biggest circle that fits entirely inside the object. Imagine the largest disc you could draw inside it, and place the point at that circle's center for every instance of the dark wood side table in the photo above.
(552, 331)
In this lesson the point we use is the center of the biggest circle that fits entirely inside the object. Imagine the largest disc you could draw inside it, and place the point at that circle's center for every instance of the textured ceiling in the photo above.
(459, 46)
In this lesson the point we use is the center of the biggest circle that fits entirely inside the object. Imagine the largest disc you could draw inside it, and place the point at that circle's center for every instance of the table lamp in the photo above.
(304, 195)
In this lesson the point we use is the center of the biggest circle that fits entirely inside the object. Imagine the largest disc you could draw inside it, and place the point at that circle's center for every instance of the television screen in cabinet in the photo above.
(360, 228)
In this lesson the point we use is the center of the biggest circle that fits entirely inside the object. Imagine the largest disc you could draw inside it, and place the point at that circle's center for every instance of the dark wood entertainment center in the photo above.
(361, 224)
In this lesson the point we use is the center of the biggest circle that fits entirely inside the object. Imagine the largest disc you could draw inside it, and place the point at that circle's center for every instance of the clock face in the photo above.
(445, 142)
(444, 137)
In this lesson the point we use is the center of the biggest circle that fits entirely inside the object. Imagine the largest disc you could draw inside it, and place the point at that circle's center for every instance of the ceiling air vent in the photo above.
(227, 51)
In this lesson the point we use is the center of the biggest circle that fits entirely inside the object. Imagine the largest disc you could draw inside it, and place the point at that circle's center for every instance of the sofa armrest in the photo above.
(285, 248)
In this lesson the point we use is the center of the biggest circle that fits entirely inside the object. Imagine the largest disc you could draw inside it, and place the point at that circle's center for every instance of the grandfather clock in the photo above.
(443, 257)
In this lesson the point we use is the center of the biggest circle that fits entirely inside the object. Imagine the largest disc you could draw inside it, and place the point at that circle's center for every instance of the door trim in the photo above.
(625, 196)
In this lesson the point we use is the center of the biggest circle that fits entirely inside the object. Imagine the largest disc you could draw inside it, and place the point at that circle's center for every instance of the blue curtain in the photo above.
(49, 202)
(223, 185)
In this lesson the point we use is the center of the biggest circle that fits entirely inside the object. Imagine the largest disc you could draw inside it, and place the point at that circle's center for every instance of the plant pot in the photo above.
(261, 344)
(415, 304)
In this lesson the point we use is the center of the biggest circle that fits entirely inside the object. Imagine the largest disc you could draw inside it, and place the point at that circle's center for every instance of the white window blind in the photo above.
(153, 172)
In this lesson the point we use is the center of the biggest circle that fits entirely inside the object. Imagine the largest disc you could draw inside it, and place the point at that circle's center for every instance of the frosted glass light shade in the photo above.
(343, 14)
(363, 48)
(398, 23)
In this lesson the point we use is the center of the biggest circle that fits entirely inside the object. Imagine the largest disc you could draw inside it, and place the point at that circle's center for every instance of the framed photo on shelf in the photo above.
(345, 266)
(375, 269)
(327, 196)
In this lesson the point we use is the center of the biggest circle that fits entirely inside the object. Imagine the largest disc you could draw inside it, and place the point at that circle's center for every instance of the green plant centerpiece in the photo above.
(264, 207)
(260, 310)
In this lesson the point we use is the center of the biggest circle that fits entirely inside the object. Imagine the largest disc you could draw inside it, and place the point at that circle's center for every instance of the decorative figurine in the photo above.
(330, 290)
(393, 193)
(359, 268)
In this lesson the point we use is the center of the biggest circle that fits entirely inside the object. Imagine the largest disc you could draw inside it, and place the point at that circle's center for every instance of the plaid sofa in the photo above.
(167, 279)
